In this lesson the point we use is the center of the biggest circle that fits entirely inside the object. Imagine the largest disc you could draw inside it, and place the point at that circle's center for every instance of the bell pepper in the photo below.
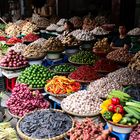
(103, 110)
(119, 109)
(115, 101)
(116, 117)
(106, 103)
(111, 107)
(108, 115)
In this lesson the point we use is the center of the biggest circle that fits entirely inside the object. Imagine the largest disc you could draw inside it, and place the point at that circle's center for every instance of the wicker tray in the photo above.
(13, 68)
(25, 137)
(56, 95)
(62, 73)
(74, 114)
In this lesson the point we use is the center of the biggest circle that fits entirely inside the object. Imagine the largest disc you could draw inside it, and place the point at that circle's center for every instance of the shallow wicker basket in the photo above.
(25, 137)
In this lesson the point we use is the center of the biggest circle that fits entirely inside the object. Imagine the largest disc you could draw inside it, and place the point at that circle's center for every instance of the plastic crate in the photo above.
(10, 83)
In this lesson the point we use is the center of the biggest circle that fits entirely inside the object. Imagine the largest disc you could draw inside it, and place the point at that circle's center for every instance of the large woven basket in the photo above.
(25, 137)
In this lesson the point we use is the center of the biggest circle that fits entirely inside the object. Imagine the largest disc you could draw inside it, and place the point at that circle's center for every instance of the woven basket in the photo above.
(25, 137)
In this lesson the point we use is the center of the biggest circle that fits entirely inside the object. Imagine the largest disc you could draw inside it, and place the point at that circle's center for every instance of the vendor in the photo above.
(122, 40)
(68, 28)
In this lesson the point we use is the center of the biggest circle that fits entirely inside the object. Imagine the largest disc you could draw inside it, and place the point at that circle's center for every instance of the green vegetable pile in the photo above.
(3, 48)
(83, 57)
(35, 76)
(2, 26)
(64, 68)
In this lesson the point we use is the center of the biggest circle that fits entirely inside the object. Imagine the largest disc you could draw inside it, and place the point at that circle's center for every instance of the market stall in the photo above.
(68, 84)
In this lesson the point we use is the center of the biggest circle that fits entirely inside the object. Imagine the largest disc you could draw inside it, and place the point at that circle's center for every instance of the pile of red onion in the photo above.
(13, 59)
(135, 134)
(23, 100)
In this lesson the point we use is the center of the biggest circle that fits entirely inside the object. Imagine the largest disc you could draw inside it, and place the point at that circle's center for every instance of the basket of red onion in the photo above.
(23, 100)
(13, 60)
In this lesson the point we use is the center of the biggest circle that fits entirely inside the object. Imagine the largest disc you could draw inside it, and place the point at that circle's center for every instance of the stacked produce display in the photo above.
(47, 124)
(60, 85)
(121, 109)
(78, 73)
(7, 132)
(83, 57)
(35, 76)
(13, 60)
(63, 68)
(23, 100)
(84, 74)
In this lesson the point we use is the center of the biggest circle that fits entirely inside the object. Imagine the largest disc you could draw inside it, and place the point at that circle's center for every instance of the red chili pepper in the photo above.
(115, 101)
(119, 109)
(111, 107)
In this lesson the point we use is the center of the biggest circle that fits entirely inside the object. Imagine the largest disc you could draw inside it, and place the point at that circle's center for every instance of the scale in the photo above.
(119, 136)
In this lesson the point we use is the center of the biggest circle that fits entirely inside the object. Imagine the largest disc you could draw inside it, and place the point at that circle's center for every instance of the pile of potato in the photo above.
(102, 45)
(53, 44)
(135, 62)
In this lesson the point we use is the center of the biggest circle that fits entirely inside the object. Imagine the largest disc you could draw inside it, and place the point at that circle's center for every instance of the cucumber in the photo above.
(134, 120)
(135, 108)
(133, 104)
(133, 112)
(129, 115)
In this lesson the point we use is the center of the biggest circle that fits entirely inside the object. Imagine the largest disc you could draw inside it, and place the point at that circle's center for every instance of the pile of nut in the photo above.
(100, 20)
(135, 62)
(77, 21)
(120, 55)
(102, 45)
(29, 28)
(135, 31)
(12, 29)
(52, 27)
(82, 103)
(41, 22)
(60, 29)
(61, 22)
(83, 35)
(70, 40)
(99, 31)
(88, 24)
(53, 44)
(103, 86)
(18, 47)
(125, 76)
(35, 49)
